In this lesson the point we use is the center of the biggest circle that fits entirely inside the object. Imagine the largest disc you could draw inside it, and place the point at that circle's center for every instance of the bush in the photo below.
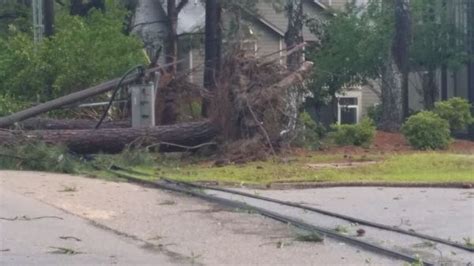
(457, 111)
(361, 134)
(309, 132)
(427, 130)
(375, 113)
(9, 105)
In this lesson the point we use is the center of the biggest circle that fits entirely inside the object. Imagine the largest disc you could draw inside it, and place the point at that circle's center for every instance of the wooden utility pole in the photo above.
(213, 40)
(68, 99)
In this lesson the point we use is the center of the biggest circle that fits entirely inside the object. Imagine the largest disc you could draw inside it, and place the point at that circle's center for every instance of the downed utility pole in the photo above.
(69, 99)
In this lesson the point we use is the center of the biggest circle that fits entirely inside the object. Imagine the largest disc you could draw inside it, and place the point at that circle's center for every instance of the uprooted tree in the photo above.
(251, 104)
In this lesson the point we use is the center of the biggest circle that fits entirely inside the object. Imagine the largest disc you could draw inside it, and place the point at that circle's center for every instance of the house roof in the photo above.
(321, 5)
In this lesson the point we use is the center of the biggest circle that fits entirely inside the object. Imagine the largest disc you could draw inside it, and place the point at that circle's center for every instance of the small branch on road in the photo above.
(70, 237)
(64, 251)
(26, 218)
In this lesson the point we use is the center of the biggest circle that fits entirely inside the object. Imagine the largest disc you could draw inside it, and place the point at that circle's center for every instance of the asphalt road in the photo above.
(121, 223)
(34, 233)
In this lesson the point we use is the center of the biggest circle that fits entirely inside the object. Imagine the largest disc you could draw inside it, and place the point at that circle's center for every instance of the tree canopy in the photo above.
(83, 51)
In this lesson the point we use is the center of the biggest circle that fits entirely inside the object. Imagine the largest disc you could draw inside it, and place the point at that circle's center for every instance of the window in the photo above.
(348, 107)
(249, 46)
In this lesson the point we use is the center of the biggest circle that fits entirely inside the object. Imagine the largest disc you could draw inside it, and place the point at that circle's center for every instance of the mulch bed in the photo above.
(385, 142)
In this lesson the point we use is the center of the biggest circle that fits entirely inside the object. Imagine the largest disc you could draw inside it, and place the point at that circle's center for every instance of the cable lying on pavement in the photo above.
(328, 213)
(284, 219)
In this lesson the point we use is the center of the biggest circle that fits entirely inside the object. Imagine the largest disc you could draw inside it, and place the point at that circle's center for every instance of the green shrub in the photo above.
(361, 134)
(127, 158)
(375, 113)
(309, 132)
(457, 111)
(9, 105)
(427, 130)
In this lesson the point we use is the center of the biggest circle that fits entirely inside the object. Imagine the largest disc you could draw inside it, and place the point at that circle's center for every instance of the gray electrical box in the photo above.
(143, 105)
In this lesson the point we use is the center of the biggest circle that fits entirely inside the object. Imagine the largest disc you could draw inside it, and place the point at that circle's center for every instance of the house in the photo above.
(266, 30)
(459, 83)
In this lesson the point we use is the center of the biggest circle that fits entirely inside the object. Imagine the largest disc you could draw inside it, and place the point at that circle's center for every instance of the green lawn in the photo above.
(417, 167)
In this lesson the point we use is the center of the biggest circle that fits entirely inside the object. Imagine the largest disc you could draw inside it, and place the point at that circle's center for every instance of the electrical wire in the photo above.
(273, 215)
(140, 69)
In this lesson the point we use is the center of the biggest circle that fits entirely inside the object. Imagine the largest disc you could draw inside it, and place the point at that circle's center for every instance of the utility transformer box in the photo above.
(143, 105)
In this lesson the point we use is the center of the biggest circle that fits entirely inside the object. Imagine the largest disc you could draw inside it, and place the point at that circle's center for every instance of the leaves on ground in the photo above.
(64, 251)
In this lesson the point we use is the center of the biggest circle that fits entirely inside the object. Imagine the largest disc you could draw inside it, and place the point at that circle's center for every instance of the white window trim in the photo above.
(281, 51)
(191, 76)
(255, 44)
(350, 94)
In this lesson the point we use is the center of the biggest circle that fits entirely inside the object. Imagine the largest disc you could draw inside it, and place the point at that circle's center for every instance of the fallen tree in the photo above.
(255, 102)
(257, 98)
(57, 124)
(114, 140)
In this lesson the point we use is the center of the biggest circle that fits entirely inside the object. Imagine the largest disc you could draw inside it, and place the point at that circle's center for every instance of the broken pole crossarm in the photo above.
(68, 99)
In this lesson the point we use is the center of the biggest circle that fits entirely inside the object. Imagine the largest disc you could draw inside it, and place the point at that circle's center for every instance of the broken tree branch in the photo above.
(181, 146)
(262, 128)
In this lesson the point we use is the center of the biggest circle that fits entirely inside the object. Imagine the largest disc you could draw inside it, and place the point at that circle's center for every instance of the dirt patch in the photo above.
(385, 142)
(462, 146)
(308, 185)
(343, 165)
(390, 142)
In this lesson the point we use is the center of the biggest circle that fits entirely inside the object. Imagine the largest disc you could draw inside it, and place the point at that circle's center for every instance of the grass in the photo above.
(417, 167)
(420, 167)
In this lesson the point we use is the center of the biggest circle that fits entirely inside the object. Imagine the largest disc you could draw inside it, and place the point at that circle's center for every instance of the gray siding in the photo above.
(279, 19)
(336, 4)
(268, 42)
(369, 99)
(457, 86)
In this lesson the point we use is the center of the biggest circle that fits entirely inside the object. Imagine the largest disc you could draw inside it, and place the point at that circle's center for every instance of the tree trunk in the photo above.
(79, 8)
(444, 83)
(294, 33)
(401, 46)
(392, 79)
(48, 18)
(116, 139)
(430, 89)
(55, 124)
(171, 50)
(395, 71)
(470, 27)
(170, 112)
(213, 43)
